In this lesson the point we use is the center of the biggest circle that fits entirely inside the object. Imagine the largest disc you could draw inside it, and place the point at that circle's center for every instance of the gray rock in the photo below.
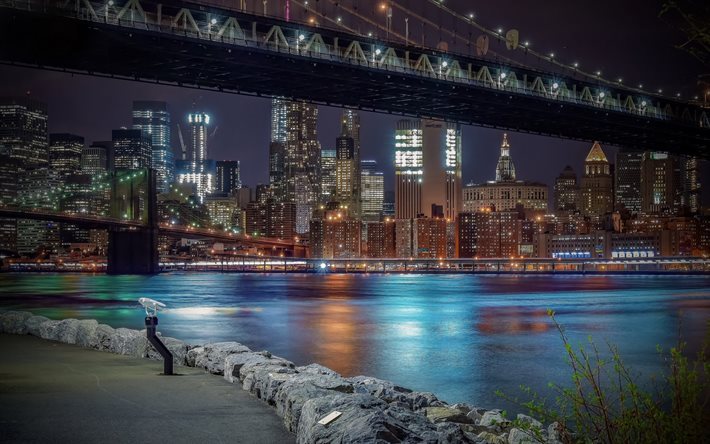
(379, 388)
(421, 429)
(476, 414)
(104, 334)
(233, 363)
(447, 414)
(420, 400)
(264, 382)
(316, 369)
(33, 323)
(125, 341)
(257, 361)
(557, 434)
(450, 433)
(212, 356)
(295, 391)
(494, 418)
(48, 330)
(532, 422)
(177, 347)
(518, 436)
(363, 420)
(492, 438)
(13, 322)
(86, 333)
(192, 355)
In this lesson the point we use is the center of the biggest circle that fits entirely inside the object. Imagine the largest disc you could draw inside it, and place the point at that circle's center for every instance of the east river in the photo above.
(459, 336)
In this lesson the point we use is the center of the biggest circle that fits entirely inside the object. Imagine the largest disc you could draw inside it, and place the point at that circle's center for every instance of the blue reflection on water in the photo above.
(460, 336)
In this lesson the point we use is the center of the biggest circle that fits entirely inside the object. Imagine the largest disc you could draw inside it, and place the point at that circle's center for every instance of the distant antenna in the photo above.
(511, 39)
(482, 45)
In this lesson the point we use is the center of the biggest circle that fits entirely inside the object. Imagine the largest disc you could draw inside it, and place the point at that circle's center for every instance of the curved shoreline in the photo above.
(372, 410)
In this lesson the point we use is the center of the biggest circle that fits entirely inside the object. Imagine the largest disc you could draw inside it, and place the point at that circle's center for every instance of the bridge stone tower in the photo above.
(133, 198)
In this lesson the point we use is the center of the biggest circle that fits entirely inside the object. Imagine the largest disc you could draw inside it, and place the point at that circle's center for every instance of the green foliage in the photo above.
(605, 401)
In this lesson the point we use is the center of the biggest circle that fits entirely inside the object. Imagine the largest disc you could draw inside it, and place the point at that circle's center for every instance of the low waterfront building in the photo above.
(381, 239)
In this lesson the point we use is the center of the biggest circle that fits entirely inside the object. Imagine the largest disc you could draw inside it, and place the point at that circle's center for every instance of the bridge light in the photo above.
(369, 34)
(598, 73)
(339, 19)
(602, 95)
(620, 80)
(555, 85)
(500, 30)
(445, 64)
(301, 37)
(378, 51)
(213, 21)
(470, 16)
(552, 55)
(643, 103)
(640, 85)
(503, 75)
(110, 2)
(677, 95)
(660, 91)
(526, 43)
(575, 64)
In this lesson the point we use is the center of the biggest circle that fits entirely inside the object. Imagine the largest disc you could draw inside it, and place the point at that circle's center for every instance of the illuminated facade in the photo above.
(488, 234)
(153, 118)
(65, 153)
(328, 180)
(372, 194)
(94, 160)
(596, 188)
(566, 190)
(23, 131)
(228, 176)
(199, 172)
(132, 149)
(346, 182)
(505, 170)
(381, 239)
(627, 180)
(659, 183)
(409, 169)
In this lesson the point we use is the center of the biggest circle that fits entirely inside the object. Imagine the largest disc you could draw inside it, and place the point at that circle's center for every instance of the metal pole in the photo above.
(151, 322)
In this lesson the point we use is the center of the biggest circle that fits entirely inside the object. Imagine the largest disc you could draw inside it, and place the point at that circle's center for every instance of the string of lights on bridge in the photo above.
(499, 34)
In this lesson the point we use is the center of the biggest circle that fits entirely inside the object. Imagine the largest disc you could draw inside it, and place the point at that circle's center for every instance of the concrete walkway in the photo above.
(51, 392)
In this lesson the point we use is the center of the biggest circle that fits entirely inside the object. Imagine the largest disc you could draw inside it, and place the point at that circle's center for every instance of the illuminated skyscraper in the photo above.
(328, 179)
(153, 118)
(65, 153)
(627, 180)
(566, 190)
(228, 176)
(597, 197)
(132, 149)
(293, 132)
(346, 184)
(505, 170)
(659, 183)
(23, 131)
(199, 172)
(372, 195)
(690, 173)
(427, 169)
(409, 169)
(94, 159)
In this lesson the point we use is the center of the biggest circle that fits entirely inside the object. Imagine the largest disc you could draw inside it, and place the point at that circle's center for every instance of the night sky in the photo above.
(621, 38)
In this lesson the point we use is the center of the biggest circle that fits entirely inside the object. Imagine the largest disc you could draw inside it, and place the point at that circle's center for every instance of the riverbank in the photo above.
(372, 410)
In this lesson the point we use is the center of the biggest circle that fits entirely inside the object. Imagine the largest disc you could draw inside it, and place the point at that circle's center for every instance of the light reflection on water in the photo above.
(460, 336)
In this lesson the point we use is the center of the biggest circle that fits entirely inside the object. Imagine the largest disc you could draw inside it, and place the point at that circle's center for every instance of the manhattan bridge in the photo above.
(335, 54)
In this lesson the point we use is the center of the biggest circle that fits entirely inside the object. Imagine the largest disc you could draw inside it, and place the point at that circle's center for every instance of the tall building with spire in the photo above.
(295, 157)
(505, 170)
(597, 186)
(506, 193)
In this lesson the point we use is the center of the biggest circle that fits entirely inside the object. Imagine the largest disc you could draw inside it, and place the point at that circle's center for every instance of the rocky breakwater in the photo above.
(371, 410)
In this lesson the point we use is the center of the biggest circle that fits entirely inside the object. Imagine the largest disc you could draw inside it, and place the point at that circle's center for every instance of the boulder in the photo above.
(125, 341)
(363, 420)
(379, 388)
(447, 414)
(296, 390)
(257, 361)
(451, 433)
(316, 369)
(33, 323)
(529, 420)
(557, 434)
(104, 333)
(234, 363)
(476, 414)
(494, 418)
(519, 436)
(13, 322)
(86, 333)
(48, 330)
(212, 356)
(420, 400)
(177, 347)
(492, 438)
(192, 355)
(264, 382)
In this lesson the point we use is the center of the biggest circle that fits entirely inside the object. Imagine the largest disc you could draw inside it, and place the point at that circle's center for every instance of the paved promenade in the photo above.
(51, 392)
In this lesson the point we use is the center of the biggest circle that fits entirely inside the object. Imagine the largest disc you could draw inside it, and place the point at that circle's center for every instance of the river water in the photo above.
(459, 336)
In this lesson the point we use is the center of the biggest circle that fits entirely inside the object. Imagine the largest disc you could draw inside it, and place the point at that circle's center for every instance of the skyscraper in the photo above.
(328, 179)
(566, 190)
(153, 118)
(132, 149)
(228, 176)
(198, 171)
(293, 130)
(409, 169)
(372, 193)
(351, 128)
(505, 170)
(659, 183)
(427, 169)
(691, 183)
(23, 131)
(94, 159)
(627, 180)
(65, 153)
(346, 184)
(596, 185)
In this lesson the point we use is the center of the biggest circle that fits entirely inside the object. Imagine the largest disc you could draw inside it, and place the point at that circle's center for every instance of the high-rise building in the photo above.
(228, 176)
(293, 128)
(381, 239)
(372, 195)
(8, 197)
(691, 183)
(346, 184)
(409, 169)
(37, 189)
(627, 180)
(132, 149)
(566, 190)
(505, 170)
(335, 235)
(488, 234)
(94, 159)
(505, 193)
(659, 183)
(65, 153)
(23, 131)
(596, 188)
(328, 177)
(351, 129)
(199, 171)
(429, 239)
(153, 118)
